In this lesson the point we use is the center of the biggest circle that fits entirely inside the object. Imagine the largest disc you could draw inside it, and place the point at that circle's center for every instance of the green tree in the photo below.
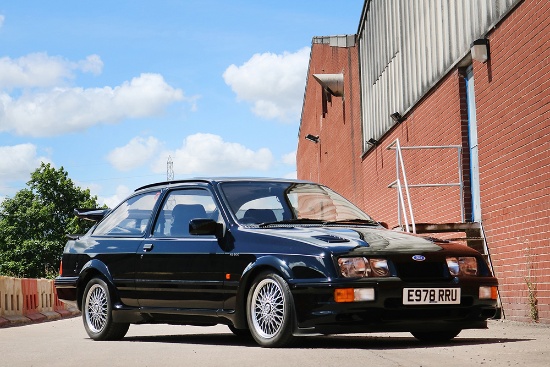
(34, 223)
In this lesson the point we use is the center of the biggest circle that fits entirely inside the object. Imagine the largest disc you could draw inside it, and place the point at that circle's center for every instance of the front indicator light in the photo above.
(488, 293)
(342, 295)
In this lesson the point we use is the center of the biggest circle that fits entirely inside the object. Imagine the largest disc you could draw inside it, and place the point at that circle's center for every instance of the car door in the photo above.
(177, 270)
(116, 240)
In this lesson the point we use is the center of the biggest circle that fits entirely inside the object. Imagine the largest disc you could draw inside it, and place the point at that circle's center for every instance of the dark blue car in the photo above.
(271, 259)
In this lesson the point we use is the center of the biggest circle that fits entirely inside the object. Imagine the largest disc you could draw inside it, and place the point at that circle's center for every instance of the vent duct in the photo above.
(333, 83)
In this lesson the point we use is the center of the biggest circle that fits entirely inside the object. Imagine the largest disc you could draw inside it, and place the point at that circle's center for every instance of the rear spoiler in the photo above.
(94, 215)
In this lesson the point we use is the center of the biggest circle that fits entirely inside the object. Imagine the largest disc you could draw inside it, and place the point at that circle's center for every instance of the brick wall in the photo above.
(338, 160)
(334, 160)
(513, 102)
(430, 124)
(512, 98)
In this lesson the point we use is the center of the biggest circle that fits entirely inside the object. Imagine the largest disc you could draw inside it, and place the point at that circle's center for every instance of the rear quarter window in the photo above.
(130, 218)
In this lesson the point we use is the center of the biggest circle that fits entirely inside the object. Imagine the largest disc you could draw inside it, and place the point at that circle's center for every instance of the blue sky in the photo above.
(110, 89)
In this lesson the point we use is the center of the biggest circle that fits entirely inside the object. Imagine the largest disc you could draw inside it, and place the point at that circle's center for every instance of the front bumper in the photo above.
(317, 312)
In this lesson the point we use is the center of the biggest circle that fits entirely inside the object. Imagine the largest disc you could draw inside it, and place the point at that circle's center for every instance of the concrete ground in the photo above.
(55, 343)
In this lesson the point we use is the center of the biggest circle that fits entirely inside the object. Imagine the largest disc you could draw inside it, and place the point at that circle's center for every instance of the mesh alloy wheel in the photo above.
(95, 308)
(270, 311)
(268, 308)
(97, 313)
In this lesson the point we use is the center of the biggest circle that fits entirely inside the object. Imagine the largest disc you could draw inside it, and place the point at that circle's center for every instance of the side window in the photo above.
(130, 218)
(180, 207)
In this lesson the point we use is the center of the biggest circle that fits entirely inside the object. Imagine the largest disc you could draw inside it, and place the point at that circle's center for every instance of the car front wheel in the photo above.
(96, 313)
(270, 311)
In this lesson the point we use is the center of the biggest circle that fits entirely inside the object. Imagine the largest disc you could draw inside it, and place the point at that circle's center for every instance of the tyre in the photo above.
(97, 315)
(270, 311)
(241, 333)
(435, 336)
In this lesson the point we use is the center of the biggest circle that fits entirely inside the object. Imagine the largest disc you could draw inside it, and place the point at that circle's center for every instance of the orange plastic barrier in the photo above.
(30, 296)
(45, 295)
(23, 300)
(30, 300)
(59, 306)
(3, 292)
(11, 295)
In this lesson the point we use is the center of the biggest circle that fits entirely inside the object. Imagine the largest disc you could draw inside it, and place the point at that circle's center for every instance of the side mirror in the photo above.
(202, 227)
(384, 224)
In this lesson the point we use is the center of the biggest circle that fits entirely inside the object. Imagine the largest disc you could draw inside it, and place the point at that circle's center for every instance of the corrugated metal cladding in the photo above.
(407, 46)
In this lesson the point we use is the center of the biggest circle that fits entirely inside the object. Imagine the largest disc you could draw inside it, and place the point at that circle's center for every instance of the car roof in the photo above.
(219, 180)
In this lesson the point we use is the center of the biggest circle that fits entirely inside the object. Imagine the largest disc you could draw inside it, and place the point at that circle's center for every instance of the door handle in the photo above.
(147, 247)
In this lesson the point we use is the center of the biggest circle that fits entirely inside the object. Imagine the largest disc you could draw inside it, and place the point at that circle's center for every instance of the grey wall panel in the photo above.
(407, 46)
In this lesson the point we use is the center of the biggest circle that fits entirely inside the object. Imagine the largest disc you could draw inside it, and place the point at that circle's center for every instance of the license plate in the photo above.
(431, 296)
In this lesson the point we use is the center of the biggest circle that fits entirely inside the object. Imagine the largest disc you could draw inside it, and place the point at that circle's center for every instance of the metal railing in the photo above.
(401, 182)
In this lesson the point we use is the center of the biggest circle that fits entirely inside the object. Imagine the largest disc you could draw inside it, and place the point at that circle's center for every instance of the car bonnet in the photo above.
(356, 239)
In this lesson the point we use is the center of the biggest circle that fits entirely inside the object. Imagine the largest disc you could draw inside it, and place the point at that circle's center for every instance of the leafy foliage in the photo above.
(33, 223)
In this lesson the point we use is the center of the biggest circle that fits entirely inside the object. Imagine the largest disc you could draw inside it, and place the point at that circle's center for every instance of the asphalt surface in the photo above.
(64, 342)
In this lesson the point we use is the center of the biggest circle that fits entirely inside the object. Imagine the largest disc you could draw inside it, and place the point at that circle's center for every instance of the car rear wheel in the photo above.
(270, 311)
(96, 313)
(435, 336)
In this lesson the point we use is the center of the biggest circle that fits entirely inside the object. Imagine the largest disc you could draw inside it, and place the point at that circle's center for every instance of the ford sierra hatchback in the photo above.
(271, 259)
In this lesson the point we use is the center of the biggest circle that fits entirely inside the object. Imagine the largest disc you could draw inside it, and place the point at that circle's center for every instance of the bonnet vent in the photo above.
(330, 239)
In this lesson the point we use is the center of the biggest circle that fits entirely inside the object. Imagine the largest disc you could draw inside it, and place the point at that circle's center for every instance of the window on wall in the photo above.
(473, 145)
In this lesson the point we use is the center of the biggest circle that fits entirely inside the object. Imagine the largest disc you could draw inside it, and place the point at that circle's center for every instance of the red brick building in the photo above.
(492, 117)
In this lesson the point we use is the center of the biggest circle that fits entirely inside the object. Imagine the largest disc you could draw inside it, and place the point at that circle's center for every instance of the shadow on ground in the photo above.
(321, 342)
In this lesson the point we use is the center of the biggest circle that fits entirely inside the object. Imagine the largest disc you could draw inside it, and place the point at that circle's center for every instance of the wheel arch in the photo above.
(264, 263)
(94, 269)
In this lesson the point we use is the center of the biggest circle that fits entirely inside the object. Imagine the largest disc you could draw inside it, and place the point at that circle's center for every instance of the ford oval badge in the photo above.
(418, 258)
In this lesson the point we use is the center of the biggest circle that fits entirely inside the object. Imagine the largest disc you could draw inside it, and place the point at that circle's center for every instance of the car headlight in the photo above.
(362, 267)
(463, 265)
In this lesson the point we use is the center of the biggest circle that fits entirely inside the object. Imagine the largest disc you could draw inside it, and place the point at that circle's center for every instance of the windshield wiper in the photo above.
(294, 221)
(369, 222)
(355, 221)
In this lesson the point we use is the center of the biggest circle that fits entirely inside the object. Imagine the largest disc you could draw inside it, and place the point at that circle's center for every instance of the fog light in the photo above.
(354, 295)
(363, 294)
(488, 293)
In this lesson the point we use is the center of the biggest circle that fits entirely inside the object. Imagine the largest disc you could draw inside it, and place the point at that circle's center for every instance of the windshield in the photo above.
(270, 202)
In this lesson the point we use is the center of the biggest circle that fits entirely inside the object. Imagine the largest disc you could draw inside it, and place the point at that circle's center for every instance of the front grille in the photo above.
(422, 271)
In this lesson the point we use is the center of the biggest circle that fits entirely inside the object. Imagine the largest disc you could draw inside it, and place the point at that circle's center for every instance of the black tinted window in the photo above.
(130, 218)
(180, 207)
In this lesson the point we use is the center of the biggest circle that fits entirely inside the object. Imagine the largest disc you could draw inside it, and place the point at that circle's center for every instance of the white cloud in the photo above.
(93, 64)
(134, 154)
(200, 154)
(209, 154)
(63, 110)
(273, 83)
(18, 161)
(2, 18)
(41, 70)
(122, 192)
(290, 158)
(291, 175)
